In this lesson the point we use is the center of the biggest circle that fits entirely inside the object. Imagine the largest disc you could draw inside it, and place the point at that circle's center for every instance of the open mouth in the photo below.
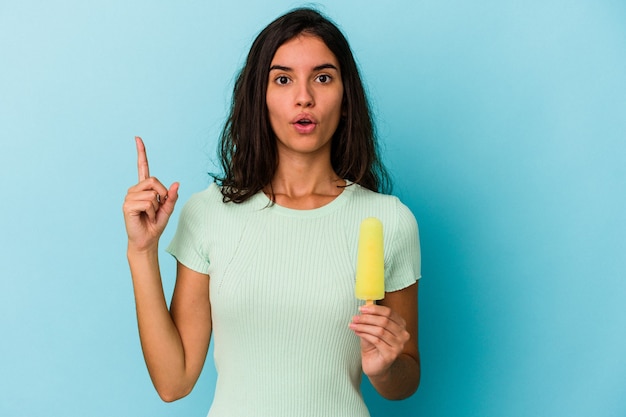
(304, 123)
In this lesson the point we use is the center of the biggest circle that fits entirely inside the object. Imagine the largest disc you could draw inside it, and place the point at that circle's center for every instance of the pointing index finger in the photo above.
(142, 160)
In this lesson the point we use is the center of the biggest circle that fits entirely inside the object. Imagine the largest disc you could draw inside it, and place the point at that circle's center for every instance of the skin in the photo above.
(389, 348)
(305, 79)
(174, 342)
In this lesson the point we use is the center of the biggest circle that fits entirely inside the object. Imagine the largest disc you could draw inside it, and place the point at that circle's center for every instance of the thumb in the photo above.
(172, 197)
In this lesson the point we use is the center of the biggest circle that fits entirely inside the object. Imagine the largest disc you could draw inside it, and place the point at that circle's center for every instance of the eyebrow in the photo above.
(317, 68)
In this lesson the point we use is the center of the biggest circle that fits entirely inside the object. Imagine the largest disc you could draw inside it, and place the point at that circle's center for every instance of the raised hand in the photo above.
(148, 205)
(383, 337)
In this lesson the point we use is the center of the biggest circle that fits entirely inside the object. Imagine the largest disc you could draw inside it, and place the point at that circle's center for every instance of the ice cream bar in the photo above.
(370, 267)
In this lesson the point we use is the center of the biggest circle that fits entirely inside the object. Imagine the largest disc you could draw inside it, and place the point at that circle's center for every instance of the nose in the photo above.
(304, 96)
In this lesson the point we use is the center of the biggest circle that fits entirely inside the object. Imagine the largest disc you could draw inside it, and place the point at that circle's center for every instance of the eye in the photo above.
(324, 78)
(282, 80)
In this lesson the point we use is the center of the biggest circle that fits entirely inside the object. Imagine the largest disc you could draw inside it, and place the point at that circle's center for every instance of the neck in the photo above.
(305, 183)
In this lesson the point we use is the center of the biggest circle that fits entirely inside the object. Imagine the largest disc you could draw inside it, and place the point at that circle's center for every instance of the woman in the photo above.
(266, 256)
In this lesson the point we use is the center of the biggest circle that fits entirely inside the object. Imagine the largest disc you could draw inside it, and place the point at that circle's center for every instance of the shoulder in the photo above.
(209, 207)
(400, 233)
(201, 201)
(212, 197)
(398, 220)
(383, 205)
(209, 195)
(200, 198)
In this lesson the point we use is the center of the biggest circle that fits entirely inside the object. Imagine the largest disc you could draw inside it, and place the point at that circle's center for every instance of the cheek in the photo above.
(339, 99)
(272, 108)
(340, 107)
(273, 113)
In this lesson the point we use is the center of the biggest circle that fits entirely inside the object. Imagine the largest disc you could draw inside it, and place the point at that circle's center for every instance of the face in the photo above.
(304, 95)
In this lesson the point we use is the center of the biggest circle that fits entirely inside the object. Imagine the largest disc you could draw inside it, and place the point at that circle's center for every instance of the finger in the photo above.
(139, 208)
(150, 184)
(148, 195)
(142, 160)
(379, 326)
(376, 342)
(381, 314)
(171, 197)
(391, 333)
(169, 201)
(382, 339)
(151, 213)
(373, 329)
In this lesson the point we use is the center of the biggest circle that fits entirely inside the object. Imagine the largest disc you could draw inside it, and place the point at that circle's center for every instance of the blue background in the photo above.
(504, 124)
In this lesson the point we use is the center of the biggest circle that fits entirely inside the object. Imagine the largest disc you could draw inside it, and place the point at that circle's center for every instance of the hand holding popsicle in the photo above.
(382, 331)
(383, 336)
(148, 205)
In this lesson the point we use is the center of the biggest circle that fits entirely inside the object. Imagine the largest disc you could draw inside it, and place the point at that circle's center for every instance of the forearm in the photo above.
(401, 380)
(160, 340)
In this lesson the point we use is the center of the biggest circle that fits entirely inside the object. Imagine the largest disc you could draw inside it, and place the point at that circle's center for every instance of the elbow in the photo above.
(400, 395)
(171, 386)
(413, 386)
(412, 389)
(413, 380)
(406, 380)
(169, 397)
(171, 394)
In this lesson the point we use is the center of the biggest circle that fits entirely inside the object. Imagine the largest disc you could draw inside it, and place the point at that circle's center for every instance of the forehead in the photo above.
(304, 51)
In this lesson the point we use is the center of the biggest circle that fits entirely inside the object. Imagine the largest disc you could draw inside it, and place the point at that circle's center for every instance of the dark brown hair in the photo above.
(248, 151)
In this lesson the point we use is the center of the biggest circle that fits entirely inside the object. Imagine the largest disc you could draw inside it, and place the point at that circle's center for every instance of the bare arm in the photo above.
(389, 345)
(174, 342)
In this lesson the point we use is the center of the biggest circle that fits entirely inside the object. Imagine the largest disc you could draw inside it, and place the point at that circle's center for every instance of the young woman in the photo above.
(266, 255)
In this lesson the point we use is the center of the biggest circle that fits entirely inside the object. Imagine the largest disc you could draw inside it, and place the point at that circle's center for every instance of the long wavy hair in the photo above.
(248, 151)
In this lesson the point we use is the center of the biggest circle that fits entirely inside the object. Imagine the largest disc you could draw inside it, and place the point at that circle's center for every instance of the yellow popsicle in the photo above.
(370, 265)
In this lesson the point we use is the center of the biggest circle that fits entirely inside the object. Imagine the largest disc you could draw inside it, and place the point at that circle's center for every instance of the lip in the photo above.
(304, 128)
(303, 116)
